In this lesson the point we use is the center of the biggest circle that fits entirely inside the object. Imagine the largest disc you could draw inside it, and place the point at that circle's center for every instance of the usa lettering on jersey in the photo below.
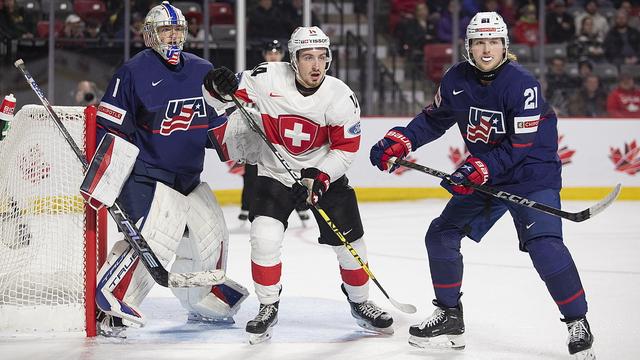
(482, 122)
(180, 113)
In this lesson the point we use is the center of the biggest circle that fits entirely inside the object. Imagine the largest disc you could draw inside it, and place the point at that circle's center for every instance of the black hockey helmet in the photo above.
(272, 46)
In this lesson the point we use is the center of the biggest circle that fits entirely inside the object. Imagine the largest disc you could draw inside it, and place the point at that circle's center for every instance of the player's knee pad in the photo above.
(355, 279)
(267, 234)
(443, 240)
(549, 255)
(122, 284)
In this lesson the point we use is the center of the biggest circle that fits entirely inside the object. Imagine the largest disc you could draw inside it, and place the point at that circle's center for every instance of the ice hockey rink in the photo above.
(508, 312)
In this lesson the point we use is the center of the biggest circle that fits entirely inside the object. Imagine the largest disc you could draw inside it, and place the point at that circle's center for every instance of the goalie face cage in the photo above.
(49, 244)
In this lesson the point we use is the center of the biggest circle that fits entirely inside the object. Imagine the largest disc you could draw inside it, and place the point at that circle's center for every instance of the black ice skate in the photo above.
(443, 329)
(261, 327)
(580, 339)
(370, 316)
(111, 326)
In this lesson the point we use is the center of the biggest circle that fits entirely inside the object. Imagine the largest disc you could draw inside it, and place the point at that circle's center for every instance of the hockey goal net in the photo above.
(48, 237)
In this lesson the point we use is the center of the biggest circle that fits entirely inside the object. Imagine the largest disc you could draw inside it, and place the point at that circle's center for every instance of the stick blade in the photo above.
(18, 63)
(196, 279)
(405, 308)
(604, 203)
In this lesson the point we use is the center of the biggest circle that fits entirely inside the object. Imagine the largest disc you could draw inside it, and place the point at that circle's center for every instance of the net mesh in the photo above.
(41, 221)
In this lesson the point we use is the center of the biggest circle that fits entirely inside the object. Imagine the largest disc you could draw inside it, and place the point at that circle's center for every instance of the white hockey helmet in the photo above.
(165, 14)
(308, 37)
(486, 25)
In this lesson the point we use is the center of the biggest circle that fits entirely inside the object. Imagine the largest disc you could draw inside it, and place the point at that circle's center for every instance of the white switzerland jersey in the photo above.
(321, 130)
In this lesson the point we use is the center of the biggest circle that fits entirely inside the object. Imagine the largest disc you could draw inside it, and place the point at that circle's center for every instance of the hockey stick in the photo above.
(577, 216)
(125, 224)
(407, 308)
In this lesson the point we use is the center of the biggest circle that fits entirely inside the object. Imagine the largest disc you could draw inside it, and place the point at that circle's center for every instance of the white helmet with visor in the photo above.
(486, 25)
(310, 37)
(165, 31)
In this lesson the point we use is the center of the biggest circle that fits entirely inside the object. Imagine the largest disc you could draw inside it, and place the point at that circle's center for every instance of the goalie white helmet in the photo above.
(165, 31)
(486, 25)
(309, 37)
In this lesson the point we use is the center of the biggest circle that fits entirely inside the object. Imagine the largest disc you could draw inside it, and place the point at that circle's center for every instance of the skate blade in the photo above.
(255, 339)
(588, 354)
(365, 325)
(453, 342)
(216, 321)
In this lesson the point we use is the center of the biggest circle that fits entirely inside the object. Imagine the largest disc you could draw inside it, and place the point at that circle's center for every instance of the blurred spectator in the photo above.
(195, 31)
(526, 29)
(624, 100)
(559, 24)
(586, 44)
(622, 44)
(293, 15)
(585, 68)
(600, 24)
(272, 51)
(415, 33)
(559, 85)
(86, 93)
(445, 24)
(267, 22)
(73, 27)
(634, 21)
(92, 31)
(14, 23)
(589, 100)
(509, 12)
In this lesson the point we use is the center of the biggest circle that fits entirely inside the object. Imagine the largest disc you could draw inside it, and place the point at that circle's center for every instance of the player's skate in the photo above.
(444, 329)
(261, 327)
(111, 326)
(580, 339)
(370, 316)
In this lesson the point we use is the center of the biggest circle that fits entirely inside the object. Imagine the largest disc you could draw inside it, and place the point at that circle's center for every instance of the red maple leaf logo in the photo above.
(627, 161)
(401, 170)
(564, 152)
(457, 156)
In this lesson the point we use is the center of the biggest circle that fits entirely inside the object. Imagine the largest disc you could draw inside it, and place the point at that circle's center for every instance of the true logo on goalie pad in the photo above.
(180, 113)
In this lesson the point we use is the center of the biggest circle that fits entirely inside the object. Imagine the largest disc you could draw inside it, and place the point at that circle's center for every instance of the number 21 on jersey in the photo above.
(531, 98)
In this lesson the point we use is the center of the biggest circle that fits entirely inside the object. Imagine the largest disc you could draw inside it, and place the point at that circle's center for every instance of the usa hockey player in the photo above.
(511, 134)
(314, 122)
(154, 123)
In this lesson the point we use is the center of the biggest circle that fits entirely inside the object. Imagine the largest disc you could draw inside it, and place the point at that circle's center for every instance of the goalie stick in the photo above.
(407, 308)
(123, 221)
(577, 216)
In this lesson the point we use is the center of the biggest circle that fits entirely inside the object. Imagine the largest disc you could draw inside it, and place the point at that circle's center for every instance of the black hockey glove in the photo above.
(221, 80)
(317, 183)
(300, 195)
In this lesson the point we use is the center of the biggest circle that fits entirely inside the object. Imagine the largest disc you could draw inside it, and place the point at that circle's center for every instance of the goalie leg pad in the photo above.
(354, 278)
(206, 248)
(109, 169)
(267, 234)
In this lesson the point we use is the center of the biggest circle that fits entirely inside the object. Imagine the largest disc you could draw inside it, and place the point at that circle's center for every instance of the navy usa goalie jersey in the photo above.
(161, 110)
(507, 124)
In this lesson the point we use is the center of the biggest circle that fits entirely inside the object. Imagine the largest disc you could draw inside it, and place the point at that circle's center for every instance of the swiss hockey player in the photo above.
(313, 120)
(511, 134)
(153, 124)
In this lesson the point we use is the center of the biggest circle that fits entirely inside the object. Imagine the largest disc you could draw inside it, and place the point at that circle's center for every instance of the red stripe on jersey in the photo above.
(570, 299)
(271, 130)
(266, 275)
(242, 94)
(523, 145)
(218, 133)
(106, 160)
(357, 277)
(339, 142)
(446, 286)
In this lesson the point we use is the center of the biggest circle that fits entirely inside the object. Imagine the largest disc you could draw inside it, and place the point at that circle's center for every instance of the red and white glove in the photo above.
(473, 171)
(317, 183)
(394, 145)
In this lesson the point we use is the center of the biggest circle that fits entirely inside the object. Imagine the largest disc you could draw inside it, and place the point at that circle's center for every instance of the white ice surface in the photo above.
(508, 312)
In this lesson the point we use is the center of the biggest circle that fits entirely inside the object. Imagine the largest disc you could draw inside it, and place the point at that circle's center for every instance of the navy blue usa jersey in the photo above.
(161, 110)
(507, 124)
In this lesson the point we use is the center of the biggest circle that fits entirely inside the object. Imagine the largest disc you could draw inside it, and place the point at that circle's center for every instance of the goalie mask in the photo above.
(165, 31)
(308, 38)
(486, 25)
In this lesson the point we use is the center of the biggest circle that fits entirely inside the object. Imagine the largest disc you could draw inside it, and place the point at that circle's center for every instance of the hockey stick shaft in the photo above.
(520, 200)
(407, 308)
(123, 221)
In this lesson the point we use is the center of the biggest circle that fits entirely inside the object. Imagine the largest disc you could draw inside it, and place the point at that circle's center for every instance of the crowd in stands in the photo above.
(592, 47)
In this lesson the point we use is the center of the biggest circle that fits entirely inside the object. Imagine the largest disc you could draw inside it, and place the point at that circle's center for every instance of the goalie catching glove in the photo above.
(394, 145)
(108, 171)
(314, 184)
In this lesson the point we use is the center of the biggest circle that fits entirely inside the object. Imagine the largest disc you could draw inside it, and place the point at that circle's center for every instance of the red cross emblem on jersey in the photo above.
(297, 133)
